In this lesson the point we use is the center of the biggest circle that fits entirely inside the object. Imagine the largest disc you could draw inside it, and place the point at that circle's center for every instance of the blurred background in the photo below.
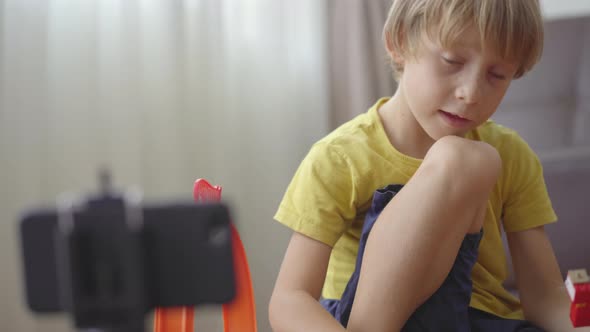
(235, 91)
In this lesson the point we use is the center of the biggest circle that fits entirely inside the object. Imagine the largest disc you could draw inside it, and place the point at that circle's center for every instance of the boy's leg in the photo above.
(341, 308)
(485, 322)
(446, 309)
(416, 238)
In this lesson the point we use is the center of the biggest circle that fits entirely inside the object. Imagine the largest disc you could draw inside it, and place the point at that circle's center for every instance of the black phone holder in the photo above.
(109, 260)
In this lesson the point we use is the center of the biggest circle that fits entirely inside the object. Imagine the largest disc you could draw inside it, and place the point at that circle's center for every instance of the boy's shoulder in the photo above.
(497, 135)
(509, 144)
(361, 131)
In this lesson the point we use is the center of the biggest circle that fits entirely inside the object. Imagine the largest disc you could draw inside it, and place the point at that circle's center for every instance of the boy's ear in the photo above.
(393, 53)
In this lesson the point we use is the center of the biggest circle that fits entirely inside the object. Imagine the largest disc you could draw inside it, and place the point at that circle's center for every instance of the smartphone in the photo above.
(99, 263)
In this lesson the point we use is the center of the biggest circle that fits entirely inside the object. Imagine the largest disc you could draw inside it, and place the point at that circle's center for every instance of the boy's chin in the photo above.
(441, 134)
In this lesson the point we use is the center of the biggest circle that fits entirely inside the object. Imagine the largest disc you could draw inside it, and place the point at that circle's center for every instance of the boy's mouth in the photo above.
(454, 120)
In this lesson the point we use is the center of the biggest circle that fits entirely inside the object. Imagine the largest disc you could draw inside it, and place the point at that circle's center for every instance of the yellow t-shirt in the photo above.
(333, 187)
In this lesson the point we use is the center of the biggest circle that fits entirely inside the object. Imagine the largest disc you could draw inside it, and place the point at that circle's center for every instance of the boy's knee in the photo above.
(465, 162)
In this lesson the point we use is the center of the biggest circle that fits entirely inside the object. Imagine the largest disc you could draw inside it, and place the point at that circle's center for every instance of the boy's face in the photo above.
(450, 91)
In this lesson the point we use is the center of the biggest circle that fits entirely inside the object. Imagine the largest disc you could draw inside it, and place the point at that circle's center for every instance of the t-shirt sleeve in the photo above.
(319, 201)
(526, 201)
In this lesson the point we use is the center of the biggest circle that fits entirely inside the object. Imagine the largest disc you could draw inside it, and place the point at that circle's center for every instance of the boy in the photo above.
(397, 215)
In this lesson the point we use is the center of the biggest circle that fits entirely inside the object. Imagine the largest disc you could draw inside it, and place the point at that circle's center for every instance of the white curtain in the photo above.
(359, 66)
(161, 92)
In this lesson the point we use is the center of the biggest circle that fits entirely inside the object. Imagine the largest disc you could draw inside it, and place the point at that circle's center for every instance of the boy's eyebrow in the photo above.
(468, 44)
(497, 60)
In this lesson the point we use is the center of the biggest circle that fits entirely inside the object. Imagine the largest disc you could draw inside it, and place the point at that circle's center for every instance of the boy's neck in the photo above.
(402, 129)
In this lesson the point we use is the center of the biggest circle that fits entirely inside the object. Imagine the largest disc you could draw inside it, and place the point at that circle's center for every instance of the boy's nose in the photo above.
(469, 91)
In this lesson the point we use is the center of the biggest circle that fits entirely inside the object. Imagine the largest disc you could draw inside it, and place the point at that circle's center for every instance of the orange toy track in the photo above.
(238, 315)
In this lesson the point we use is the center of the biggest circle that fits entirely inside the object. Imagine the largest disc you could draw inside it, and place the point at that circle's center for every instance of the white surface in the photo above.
(557, 9)
(570, 288)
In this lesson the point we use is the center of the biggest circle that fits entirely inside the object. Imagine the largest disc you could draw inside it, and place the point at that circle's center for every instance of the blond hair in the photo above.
(513, 28)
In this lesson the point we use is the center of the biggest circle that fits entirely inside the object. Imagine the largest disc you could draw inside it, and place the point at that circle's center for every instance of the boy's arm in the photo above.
(294, 304)
(541, 287)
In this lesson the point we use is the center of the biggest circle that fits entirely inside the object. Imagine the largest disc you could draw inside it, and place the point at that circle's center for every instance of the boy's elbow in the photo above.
(282, 307)
(274, 311)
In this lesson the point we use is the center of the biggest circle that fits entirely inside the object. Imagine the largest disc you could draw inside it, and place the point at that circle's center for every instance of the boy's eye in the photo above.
(498, 76)
(451, 61)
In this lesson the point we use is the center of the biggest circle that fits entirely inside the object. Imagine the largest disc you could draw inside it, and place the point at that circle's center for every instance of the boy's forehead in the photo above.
(488, 51)
(466, 37)
(470, 40)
